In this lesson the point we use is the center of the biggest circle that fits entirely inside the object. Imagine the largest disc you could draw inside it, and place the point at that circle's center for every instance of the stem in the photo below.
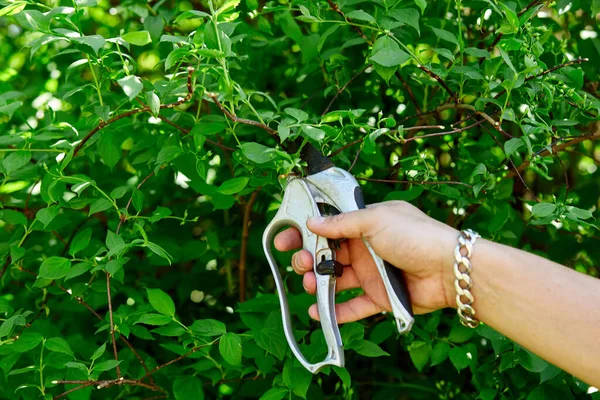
(97, 85)
(112, 324)
(244, 247)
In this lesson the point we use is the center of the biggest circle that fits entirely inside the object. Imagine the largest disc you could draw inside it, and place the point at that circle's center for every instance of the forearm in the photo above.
(549, 309)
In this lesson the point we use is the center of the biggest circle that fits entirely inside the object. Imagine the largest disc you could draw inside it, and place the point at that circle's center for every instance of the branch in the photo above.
(112, 324)
(129, 113)
(415, 182)
(124, 215)
(408, 89)
(103, 384)
(348, 145)
(159, 367)
(5, 266)
(244, 247)
(235, 118)
(187, 131)
(440, 81)
(343, 88)
(454, 131)
(555, 149)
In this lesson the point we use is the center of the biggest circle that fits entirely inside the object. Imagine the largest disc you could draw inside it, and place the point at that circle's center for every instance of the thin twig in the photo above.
(129, 113)
(435, 76)
(159, 367)
(187, 131)
(408, 89)
(344, 147)
(343, 88)
(124, 215)
(235, 118)
(355, 159)
(112, 324)
(244, 246)
(5, 266)
(415, 182)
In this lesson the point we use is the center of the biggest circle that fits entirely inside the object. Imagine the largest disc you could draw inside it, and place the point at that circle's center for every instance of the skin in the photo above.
(545, 307)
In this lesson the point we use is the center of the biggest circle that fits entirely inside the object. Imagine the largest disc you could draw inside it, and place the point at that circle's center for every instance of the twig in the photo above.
(104, 384)
(5, 266)
(129, 113)
(344, 147)
(458, 130)
(60, 396)
(343, 88)
(244, 247)
(187, 131)
(408, 89)
(235, 118)
(555, 149)
(415, 182)
(112, 324)
(124, 215)
(548, 71)
(435, 76)
(567, 186)
(355, 159)
(159, 367)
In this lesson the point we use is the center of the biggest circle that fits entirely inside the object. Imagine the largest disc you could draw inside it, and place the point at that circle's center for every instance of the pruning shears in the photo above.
(326, 185)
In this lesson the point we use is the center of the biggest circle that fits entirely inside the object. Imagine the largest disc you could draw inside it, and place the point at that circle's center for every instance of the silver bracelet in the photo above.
(463, 282)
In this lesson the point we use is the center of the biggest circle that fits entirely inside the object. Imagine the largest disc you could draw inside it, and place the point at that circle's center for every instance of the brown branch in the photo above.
(454, 131)
(335, 8)
(435, 76)
(355, 159)
(244, 247)
(408, 89)
(415, 182)
(129, 113)
(548, 71)
(102, 384)
(343, 88)
(346, 146)
(159, 367)
(555, 149)
(60, 396)
(235, 118)
(112, 324)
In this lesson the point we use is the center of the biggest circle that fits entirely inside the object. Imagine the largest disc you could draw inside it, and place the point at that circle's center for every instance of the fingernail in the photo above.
(304, 286)
(316, 220)
(294, 256)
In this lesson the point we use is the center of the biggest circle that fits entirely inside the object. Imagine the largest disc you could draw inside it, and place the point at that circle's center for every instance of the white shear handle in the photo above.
(297, 206)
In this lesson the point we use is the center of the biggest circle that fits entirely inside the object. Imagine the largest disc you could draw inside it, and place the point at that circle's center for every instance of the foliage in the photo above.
(140, 165)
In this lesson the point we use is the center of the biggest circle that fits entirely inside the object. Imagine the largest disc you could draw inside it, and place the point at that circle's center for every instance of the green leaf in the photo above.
(445, 53)
(406, 195)
(168, 154)
(459, 358)
(298, 114)
(113, 266)
(80, 241)
(419, 354)
(154, 319)
(46, 215)
(132, 86)
(98, 352)
(109, 149)
(153, 101)
(58, 345)
(13, 8)
(512, 146)
(257, 152)
(15, 161)
(579, 213)
(99, 206)
(159, 251)
(367, 348)
(188, 387)
(26, 342)
(208, 327)
(96, 42)
(233, 186)
(439, 353)
(422, 5)
(541, 210)
(390, 57)
(113, 241)
(407, 16)
(276, 393)
(54, 268)
(20, 371)
(106, 365)
(480, 53)
(161, 302)
(360, 15)
(445, 35)
(230, 347)
(140, 38)
(138, 200)
(13, 217)
(352, 332)
(460, 333)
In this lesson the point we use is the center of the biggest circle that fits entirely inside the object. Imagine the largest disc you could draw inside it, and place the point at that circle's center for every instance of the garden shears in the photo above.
(326, 185)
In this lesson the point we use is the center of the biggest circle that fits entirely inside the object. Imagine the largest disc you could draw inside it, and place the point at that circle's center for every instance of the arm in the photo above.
(549, 309)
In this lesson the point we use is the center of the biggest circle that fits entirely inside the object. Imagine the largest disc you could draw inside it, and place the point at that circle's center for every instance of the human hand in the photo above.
(399, 233)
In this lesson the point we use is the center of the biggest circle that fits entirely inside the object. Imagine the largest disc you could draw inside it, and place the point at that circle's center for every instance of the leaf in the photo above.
(99, 206)
(96, 42)
(233, 186)
(407, 16)
(298, 114)
(113, 266)
(460, 333)
(113, 240)
(459, 358)
(80, 241)
(419, 354)
(138, 200)
(579, 213)
(422, 5)
(480, 53)
(445, 35)
(230, 347)
(276, 393)
(367, 348)
(13, 217)
(153, 101)
(20, 371)
(352, 332)
(98, 352)
(541, 210)
(208, 327)
(406, 195)
(154, 319)
(257, 152)
(109, 149)
(360, 15)
(106, 365)
(54, 268)
(132, 86)
(13, 8)
(512, 146)
(445, 53)
(188, 387)
(439, 353)
(15, 161)
(390, 57)
(161, 302)
(26, 342)
(59, 345)
(46, 215)
(168, 154)
(140, 38)
(159, 251)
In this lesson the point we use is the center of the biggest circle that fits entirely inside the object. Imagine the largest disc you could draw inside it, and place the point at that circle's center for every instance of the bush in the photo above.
(140, 165)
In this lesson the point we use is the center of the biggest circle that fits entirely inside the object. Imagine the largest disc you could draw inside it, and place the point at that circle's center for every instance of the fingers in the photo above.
(302, 262)
(354, 224)
(348, 280)
(353, 310)
(290, 239)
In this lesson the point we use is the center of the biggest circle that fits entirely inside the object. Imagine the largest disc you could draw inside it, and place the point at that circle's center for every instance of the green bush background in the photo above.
(139, 158)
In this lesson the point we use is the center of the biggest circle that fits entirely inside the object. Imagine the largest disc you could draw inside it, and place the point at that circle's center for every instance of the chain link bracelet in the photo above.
(463, 282)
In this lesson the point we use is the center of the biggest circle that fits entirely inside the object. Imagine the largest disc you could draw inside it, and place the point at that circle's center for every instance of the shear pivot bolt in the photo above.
(330, 267)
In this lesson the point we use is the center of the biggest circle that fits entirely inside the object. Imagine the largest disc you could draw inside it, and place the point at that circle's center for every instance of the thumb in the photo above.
(352, 225)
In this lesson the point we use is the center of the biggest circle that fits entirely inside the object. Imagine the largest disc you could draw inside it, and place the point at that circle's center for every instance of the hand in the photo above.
(399, 233)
